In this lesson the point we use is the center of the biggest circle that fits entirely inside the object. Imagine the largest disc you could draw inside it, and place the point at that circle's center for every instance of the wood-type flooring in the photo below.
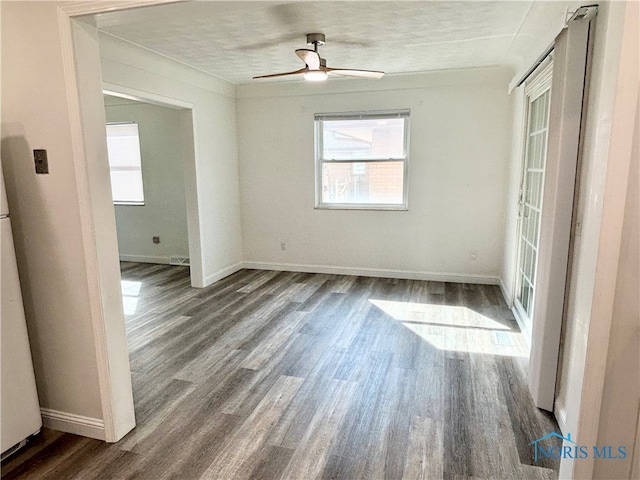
(280, 375)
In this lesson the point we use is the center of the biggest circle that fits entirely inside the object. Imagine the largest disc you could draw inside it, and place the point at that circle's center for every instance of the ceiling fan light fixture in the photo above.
(315, 75)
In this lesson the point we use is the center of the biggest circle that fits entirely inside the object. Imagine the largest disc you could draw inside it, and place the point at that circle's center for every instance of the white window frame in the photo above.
(129, 202)
(320, 161)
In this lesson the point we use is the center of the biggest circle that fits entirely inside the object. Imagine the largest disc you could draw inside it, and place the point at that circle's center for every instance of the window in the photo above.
(125, 165)
(361, 160)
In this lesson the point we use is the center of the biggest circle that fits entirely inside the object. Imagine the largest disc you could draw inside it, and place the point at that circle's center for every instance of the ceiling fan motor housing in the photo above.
(315, 39)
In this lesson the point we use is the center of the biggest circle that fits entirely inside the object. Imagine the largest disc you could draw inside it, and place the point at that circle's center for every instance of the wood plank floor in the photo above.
(276, 375)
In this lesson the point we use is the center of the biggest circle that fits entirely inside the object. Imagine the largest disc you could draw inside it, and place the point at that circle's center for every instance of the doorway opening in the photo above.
(147, 146)
(151, 146)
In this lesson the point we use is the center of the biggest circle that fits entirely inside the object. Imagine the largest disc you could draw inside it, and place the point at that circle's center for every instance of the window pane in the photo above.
(364, 183)
(126, 186)
(366, 139)
(123, 146)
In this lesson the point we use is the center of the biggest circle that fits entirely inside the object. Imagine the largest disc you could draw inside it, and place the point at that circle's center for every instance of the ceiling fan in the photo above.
(316, 67)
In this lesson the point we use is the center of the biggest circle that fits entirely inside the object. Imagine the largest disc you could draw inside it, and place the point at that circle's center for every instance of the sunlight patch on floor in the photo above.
(455, 328)
(130, 292)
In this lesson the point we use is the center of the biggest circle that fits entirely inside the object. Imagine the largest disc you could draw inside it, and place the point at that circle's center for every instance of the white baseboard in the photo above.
(144, 259)
(561, 416)
(506, 295)
(70, 423)
(225, 272)
(375, 272)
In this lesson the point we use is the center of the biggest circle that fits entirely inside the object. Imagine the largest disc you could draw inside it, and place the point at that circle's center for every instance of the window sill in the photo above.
(359, 206)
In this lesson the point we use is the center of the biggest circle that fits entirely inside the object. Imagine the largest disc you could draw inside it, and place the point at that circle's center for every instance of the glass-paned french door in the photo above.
(535, 156)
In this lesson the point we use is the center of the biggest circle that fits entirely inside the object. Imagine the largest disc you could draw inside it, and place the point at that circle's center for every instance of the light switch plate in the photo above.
(42, 164)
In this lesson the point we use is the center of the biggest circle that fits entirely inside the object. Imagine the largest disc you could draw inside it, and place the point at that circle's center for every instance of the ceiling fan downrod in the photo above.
(316, 39)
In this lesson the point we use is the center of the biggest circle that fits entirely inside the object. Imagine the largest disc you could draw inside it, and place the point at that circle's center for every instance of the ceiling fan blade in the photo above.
(302, 70)
(310, 57)
(350, 72)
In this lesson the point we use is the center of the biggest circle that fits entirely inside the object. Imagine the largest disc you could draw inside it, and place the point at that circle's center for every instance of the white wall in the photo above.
(458, 167)
(45, 210)
(164, 213)
(214, 197)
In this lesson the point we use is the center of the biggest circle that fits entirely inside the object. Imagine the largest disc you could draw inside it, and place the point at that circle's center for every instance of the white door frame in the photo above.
(534, 89)
(104, 291)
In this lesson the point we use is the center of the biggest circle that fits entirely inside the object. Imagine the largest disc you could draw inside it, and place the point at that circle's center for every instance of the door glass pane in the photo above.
(532, 184)
(534, 189)
(534, 223)
(534, 117)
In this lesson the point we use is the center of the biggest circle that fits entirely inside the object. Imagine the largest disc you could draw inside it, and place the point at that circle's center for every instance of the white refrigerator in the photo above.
(19, 409)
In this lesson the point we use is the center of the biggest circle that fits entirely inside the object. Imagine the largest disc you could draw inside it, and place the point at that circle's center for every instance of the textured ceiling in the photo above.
(241, 39)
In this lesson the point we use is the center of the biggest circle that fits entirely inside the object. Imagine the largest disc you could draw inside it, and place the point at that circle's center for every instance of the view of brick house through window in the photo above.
(361, 160)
